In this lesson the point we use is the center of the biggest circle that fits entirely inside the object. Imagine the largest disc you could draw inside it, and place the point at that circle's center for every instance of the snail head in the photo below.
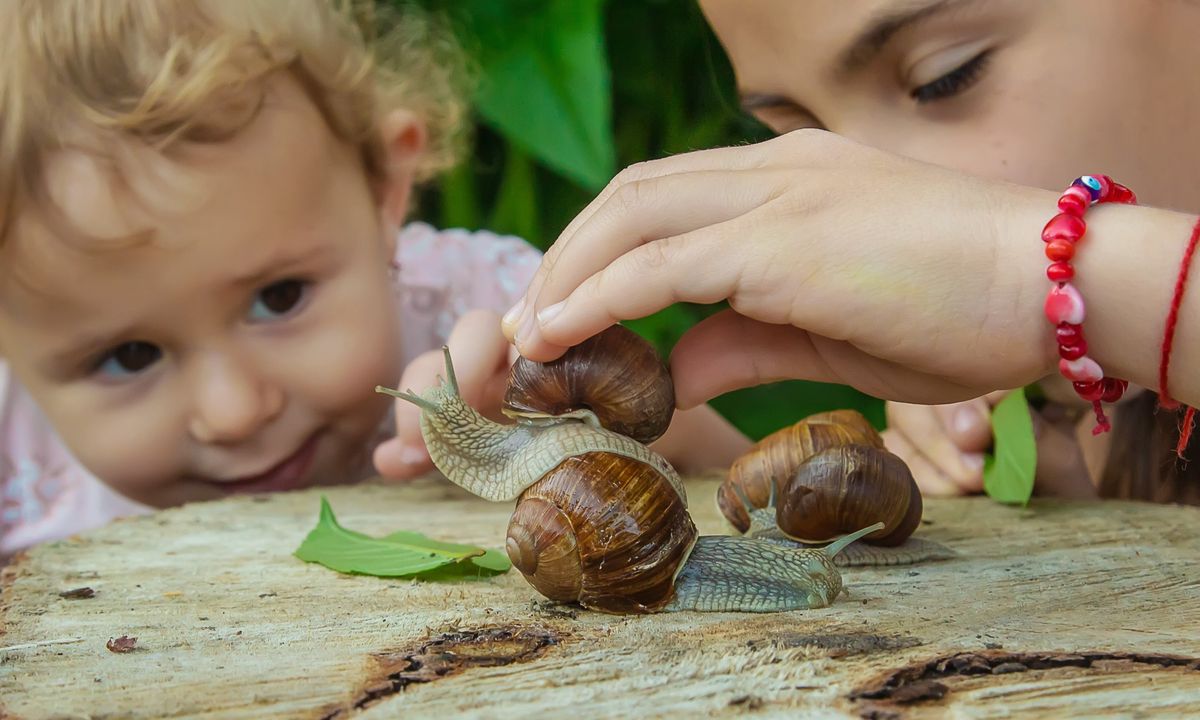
(442, 405)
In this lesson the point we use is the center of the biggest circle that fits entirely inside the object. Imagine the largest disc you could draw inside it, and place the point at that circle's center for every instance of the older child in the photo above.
(845, 259)
(203, 269)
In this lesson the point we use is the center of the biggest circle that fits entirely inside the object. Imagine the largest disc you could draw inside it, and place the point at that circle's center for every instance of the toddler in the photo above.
(204, 266)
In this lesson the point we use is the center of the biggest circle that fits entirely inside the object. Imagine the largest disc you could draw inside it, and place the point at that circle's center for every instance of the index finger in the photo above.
(729, 158)
(650, 210)
(639, 283)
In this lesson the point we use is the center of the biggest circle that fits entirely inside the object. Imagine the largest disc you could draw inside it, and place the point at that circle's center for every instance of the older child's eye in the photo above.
(954, 82)
(128, 359)
(278, 299)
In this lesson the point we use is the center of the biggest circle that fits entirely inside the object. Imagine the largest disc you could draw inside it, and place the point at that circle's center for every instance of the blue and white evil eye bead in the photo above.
(1092, 184)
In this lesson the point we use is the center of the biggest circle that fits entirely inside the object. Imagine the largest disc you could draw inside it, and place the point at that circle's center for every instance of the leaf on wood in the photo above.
(400, 554)
(1008, 474)
(122, 644)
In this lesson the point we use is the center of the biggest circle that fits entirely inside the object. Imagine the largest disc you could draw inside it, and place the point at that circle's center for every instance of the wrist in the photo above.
(1019, 287)
(1127, 268)
(1117, 273)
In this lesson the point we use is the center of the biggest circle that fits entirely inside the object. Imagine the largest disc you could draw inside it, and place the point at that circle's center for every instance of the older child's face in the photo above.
(1032, 91)
(232, 339)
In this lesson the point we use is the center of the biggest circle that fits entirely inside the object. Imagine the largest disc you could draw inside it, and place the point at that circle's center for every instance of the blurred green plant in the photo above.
(570, 91)
(1010, 468)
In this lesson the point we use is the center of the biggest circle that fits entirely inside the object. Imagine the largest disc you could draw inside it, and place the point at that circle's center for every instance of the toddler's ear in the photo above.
(404, 139)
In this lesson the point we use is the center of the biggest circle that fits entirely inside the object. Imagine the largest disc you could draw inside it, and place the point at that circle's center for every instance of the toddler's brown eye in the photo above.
(278, 299)
(128, 358)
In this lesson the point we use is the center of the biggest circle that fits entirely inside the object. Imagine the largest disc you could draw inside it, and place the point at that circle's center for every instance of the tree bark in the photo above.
(1079, 609)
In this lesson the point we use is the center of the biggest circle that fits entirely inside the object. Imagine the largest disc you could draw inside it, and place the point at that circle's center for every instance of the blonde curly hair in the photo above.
(160, 72)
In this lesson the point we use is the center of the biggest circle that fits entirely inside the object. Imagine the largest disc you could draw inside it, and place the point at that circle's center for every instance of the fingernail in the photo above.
(547, 314)
(965, 420)
(513, 314)
(973, 461)
(413, 455)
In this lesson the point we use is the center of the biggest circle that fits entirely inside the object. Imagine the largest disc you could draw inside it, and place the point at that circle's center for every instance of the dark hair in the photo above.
(1142, 464)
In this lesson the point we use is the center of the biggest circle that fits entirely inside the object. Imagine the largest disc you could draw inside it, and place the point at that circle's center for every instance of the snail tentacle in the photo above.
(408, 395)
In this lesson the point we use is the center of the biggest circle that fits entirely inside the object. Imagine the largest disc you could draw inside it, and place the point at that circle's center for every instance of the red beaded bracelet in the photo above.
(1064, 304)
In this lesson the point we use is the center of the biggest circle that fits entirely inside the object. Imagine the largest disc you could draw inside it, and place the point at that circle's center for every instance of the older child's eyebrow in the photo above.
(880, 29)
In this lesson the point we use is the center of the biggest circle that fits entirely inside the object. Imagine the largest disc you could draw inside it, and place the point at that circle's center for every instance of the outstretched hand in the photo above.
(482, 357)
(944, 446)
(840, 263)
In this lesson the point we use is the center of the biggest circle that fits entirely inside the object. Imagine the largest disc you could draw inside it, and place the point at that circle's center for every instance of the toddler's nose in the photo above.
(232, 400)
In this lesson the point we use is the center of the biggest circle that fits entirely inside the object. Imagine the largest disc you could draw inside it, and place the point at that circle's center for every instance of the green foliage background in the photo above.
(567, 93)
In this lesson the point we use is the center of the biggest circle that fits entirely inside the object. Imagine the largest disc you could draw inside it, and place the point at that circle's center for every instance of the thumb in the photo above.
(1061, 470)
(397, 459)
(968, 424)
(729, 351)
(404, 456)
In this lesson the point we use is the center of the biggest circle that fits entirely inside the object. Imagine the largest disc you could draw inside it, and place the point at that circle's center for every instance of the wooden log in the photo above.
(1079, 609)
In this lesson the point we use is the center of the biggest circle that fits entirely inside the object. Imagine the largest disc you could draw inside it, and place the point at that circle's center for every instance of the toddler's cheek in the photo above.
(340, 375)
(140, 464)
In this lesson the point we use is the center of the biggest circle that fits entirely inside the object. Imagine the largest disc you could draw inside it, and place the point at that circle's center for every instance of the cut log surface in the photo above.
(1055, 610)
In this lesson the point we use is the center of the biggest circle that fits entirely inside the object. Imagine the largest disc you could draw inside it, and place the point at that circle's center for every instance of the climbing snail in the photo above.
(827, 474)
(600, 518)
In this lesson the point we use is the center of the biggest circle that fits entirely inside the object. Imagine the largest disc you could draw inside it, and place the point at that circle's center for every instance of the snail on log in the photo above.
(808, 483)
(601, 519)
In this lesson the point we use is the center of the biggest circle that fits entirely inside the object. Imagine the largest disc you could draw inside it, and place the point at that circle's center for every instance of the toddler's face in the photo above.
(230, 332)
(1032, 91)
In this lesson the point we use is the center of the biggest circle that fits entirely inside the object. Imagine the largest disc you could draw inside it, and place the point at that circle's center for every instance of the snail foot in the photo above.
(912, 551)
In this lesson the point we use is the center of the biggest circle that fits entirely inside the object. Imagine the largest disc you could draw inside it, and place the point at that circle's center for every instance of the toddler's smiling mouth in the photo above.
(288, 474)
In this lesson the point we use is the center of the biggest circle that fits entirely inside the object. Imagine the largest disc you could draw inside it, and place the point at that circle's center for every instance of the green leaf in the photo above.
(460, 199)
(493, 560)
(515, 211)
(664, 328)
(545, 81)
(1008, 476)
(401, 554)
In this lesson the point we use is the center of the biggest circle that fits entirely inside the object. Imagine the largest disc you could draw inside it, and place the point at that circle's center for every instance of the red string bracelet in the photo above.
(1164, 397)
(1064, 305)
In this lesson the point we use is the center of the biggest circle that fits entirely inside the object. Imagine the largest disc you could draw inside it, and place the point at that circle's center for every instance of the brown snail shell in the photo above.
(776, 457)
(602, 530)
(850, 486)
(616, 375)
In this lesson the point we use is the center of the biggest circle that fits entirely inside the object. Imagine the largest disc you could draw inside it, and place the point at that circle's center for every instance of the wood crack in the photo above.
(921, 681)
(445, 655)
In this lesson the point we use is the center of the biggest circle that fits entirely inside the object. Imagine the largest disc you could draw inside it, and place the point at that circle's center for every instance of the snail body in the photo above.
(601, 519)
(747, 575)
(822, 477)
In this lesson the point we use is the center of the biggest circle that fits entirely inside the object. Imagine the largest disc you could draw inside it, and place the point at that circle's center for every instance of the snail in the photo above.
(601, 519)
(812, 481)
